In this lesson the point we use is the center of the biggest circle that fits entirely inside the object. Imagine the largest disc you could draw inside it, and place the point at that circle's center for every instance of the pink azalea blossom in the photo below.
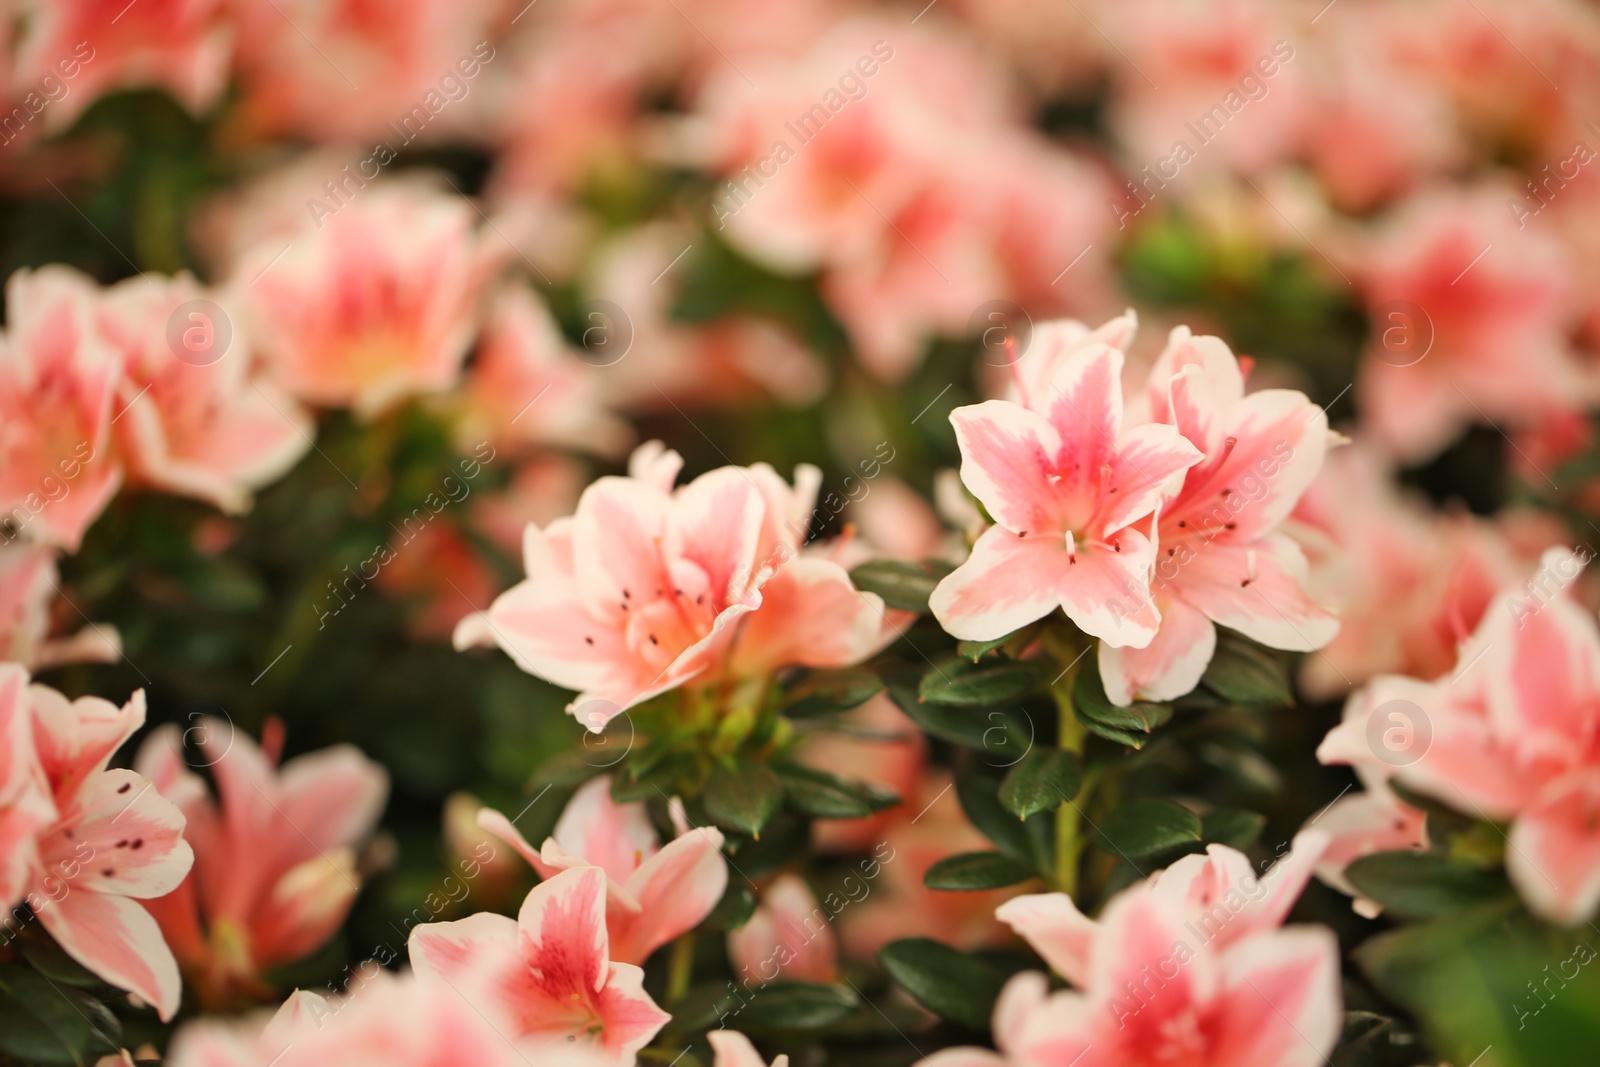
(58, 380)
(374, 303)
(1507, 735)
(114, 843)
(198, 426)
(1220, 558)
(789, 934)
(654, 892)
(648, 588)
(1187, 967)
(93, 46)
(548, 972)
(26, 807)
(275, 865)
(1065, 482)
(29, 587)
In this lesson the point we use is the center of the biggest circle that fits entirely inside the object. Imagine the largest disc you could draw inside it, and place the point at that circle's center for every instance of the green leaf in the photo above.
(977, 870)
(794, 1006)
(902, 585)
(820, 794)
(1241, 673)
(1001, 733)
(47, 1023)
(948, 983)
(1092, 706)
(1147, 826)
(1423, 885)
(976, 650)
(955, 681)
(743, 798)
(738, 903)
(1364, 1041)
(50, 960)
(830, 692)
(1233, 827)
(1042, 780)
(1111, 733)
(979, 792)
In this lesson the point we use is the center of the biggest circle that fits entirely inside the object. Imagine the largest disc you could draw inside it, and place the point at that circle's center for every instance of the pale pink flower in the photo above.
(1359, 824)
(654, 892)
(789, 934)
(548, 972)
(93, 46)
(115, 842)
(29, 587)
(730, 1048)
(648, 588)
(1509, 735)
(889, 752)
(376, 302)
(1220, 558)
(197, 426)
(58, 379)
(275, 863)
(26, 808)
(1064, 481)
(1471, 322)
(1152, 990)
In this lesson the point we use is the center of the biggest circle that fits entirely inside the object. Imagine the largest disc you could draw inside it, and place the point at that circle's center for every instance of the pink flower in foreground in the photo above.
(376, 302)
(648, 588)
(548, 972)
(197, 426)
(653, 892)
(1220, 558)
(1512, 734)
(1065, 482)
(25, 804)
(787, 935)
(29, 585)
(1156, 985)
(275, 863)
(92, 46)
(391, 1021)
(732, 1049)
(57, 383)
(115, 842)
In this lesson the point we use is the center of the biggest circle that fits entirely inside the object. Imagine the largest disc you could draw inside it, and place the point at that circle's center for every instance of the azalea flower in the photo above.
(548, 972)
(654, 892)
(29, 585)
(114, 842)
(199, 426)
(58, 379)
(789, 932)
(1151, 987)
(26, 807)
(649, 588)
(1220, 556)
(275, 864)
(1065, 482)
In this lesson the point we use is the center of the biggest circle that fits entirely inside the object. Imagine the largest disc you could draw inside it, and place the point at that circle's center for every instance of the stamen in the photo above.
(1072, 549)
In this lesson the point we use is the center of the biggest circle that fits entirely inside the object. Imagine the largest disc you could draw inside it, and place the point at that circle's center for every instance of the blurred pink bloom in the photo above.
(648, 588)
(1508, 735)
(544, 488)
(548, 972)
(114, 843)
(527, 388)
(730, 1048)
(26, 807)
(1218, 892)
(58, 379)
(788, 932)
(1471, 323)
(890, 752)
(275, 863)
(1153, 990)
(375, 303)
(1064, 481)
(29, 586)
(198, 426)
(390, 1021)
(1220, 558)
(442, 577)
(183, 46)
(654, 892)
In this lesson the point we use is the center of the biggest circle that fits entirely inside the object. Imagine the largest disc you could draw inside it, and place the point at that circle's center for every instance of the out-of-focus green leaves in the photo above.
(1147, 826)
(902, 585)
(1042, 780)
(743, 798)
(976, 870)
(947, 982)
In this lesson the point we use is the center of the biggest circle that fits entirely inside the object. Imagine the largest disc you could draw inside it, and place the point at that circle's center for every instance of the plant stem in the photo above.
(680, 968)
(1069, 838)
